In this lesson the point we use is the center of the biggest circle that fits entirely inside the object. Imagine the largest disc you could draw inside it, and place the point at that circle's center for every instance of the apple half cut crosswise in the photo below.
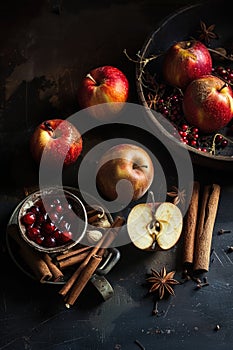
(160, 224)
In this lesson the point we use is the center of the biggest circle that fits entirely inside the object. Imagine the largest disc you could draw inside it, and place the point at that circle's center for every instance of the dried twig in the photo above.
(143, 62)
(217, 52)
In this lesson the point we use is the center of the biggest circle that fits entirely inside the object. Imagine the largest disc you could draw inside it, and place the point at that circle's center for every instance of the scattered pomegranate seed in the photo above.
(224, 143)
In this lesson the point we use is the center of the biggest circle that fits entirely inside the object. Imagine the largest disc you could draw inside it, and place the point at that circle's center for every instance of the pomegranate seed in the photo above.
(41, 218)
(218, 138)
(33, 232)
(66, 236)
(59, 208)
(49, 242)
(185, 141)
(39, 239)
(193, 143)
(40, 205)
(29, 218)
(34, 209)
(54, 217)
(195, 136)
(57, 234)
(224, 143)
(49, 227)
(184, 127)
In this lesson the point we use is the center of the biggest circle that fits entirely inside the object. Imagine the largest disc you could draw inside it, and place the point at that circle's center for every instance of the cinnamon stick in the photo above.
(72, 253)
(205, 227)
(32, 258)
(190, 225)
(70, 261)
(105, 241)
(83, 280)
(56, 272)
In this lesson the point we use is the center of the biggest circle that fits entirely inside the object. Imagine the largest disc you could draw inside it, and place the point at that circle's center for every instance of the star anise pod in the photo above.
(177, 195)
(207, 33)
(162, 281)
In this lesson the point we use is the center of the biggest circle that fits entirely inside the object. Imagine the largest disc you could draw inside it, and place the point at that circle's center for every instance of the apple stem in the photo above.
(48, 126)
(224, 85)
(91, 77)
(136, 166)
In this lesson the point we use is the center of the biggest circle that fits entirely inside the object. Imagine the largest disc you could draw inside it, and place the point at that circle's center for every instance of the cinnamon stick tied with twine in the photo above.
(190, 225)
(74, 286)
(208, 212)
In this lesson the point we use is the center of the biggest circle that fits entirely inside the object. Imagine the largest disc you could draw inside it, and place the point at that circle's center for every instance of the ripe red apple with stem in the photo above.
(185, 61)
(127, 162)
(106, 85)
(59, 139)
(208, 103)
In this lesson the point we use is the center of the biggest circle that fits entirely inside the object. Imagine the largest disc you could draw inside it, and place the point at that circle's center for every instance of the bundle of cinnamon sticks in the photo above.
(198, 227)
(79, 279)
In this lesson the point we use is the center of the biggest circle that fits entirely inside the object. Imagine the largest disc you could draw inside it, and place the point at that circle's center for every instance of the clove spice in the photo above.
(221, 232)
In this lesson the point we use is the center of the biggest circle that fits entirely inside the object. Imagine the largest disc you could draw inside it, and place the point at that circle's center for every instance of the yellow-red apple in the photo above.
(208, 103)
(185, 61)
(59, 139)
(125, 162)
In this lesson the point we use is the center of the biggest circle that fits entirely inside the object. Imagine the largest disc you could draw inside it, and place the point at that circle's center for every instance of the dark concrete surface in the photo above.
(43, 55)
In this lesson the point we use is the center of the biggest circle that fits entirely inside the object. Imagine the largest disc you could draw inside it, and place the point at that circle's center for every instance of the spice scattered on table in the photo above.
(162, 282)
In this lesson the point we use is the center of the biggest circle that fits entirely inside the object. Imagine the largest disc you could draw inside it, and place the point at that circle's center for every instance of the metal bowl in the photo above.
(109, 260)
(183, 25)
(77, 216)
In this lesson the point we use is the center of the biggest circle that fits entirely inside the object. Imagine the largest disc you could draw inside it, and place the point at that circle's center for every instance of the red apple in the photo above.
(59, 139)
(186, 61)
(103, 85)
(208, 103)
(125, 162)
